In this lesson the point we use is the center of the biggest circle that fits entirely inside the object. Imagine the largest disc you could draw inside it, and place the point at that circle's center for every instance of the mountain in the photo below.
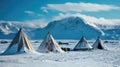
(108, 26)
(112, 34)
(111, 31)
(69, 28)
(9, 29)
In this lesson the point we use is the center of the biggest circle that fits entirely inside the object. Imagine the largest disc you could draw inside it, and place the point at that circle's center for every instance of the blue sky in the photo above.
(47, 10)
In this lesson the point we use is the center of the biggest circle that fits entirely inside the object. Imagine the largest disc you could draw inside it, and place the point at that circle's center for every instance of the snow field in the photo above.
(92, 58)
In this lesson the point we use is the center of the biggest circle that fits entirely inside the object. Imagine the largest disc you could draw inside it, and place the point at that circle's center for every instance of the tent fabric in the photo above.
(99, 44)
(19, 44)
(82, 44)
(49, 45)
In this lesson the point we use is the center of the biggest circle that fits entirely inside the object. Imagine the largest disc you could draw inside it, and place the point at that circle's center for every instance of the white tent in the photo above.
(49, 45)
(99, 44)
(19, 44)
(82, 44)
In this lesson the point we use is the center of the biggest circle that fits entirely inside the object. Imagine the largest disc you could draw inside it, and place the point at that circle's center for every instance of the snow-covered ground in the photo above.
(92, 58)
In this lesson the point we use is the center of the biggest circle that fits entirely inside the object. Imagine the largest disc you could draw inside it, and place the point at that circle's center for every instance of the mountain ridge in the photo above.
(72, 28)
(66, 28)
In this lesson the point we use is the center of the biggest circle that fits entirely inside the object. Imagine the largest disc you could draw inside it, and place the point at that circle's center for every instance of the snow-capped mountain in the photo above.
(108, 26)
(112, 34)
(69, 28)
(9, 29)
(111, 31)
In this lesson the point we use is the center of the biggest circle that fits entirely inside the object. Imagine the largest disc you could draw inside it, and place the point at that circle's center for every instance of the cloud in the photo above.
(89, 19)
(44, 9)
(79, 7)
(31, 13)
(38, 23)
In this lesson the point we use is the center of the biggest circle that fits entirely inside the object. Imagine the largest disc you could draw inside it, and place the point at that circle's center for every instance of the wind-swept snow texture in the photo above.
(92, 58)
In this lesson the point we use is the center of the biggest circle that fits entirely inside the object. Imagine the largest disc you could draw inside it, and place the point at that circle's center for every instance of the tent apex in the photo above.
(98, 37)
(20, 29)
(48, 32)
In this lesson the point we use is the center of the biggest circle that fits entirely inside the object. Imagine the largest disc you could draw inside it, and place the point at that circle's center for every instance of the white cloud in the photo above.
(80, 7)
(90, 19)
(44, 9)
(32, 23)
(38, 22)
(31, 13)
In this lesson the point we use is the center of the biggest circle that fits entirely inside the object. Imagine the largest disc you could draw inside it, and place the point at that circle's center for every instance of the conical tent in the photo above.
(19, 44)
(49, 45)
(99, 44)
(82, 44)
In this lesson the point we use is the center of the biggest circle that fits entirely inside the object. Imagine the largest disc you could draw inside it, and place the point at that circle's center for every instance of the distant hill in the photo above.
(67, 28)
(9, 29)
